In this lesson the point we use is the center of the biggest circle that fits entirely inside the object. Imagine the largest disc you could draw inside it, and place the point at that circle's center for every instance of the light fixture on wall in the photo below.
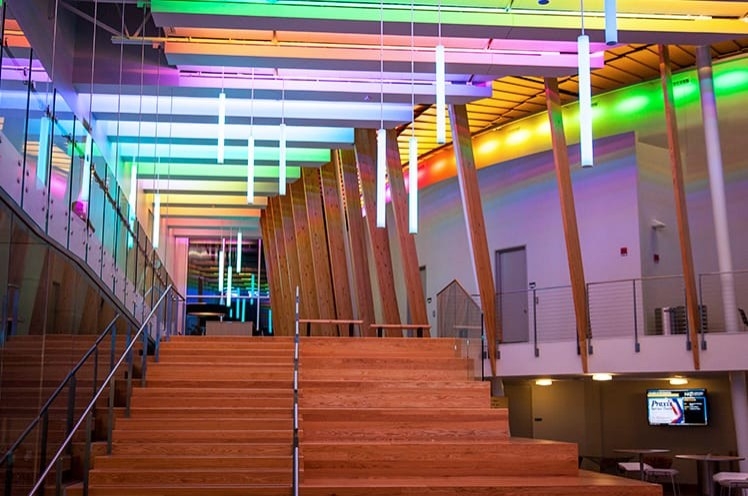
(544, 382)
(585, 96)
(381, 133)
(678, 381)
(282, 143)
(611, 22)
(602, 376)
(439, 56)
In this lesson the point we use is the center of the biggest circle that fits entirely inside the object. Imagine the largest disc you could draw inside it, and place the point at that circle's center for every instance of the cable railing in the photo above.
(160, 317)
(637, 308)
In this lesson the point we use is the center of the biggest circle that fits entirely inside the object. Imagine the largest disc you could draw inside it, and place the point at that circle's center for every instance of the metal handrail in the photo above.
(296, 401)
(92, 403)
(57, 392)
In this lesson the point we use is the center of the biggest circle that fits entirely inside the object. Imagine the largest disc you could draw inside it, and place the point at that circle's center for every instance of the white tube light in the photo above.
(156, 219)
(228, 290)
(131, 204)
(441, 117)
(381, 175)
(282, 161)
(221, 125)
(611, 23)
(221, 260)
(239, 252)
(86, 174)
(413, 185)
(251, 170)
(42, 162)
(585, 101)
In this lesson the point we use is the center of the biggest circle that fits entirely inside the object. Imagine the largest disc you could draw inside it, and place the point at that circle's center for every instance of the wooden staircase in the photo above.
(378, 416)
(216, 418)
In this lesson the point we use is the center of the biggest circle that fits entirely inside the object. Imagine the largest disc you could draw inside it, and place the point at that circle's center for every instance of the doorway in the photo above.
(511, 288)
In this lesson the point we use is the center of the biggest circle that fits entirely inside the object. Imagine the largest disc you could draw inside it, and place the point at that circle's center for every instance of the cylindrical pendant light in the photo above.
(381, 176)
(239, 252)
(585, 101)
(441, 115)
(413, 185)
(221, 125)
(611, 23)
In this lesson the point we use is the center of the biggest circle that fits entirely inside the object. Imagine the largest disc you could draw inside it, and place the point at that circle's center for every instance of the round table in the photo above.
(641, 452)
(707, 467)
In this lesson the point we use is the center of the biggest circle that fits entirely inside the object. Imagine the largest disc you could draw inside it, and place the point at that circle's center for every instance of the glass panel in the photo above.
(96, 206)
(80, 180)
(60, 177)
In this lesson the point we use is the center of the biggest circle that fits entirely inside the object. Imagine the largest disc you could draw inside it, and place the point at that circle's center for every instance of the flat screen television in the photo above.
(677, 407)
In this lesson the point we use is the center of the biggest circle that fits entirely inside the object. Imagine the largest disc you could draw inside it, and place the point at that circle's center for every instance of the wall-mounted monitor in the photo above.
(677, 407)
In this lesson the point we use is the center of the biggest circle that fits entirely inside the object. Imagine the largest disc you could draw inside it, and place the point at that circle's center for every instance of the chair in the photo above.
(731, 480)
(652, 474)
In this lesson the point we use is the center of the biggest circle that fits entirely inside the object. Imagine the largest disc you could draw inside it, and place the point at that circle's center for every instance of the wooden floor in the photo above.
(378, 416)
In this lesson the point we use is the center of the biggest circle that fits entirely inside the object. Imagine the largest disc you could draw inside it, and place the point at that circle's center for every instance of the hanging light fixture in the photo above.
(45, 131)
(221, 126)
(381, 133)
(156, 219)
(228, 288)
(441, 117)
(282, 143)
(221, 261)
(611, 23)
(585, 96)
(251, 146)
(157, 197)
(412, 142)
(239, 252)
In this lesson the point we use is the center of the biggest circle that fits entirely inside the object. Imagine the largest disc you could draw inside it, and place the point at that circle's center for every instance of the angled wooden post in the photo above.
(270, 248)
(308, 306)
(568, 216)
(467, 176)
(681, 211)
(292, 257)
(335, 230)
(411, 267)
(345, 166)
(310, 177)
(285, 272)
(366, 151)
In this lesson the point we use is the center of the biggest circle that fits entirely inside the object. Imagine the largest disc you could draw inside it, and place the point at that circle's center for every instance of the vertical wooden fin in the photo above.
(681, 211)
(308, 305)
(283, 308)
(568, 216)
(270, 251)
(345, 164)
(312, 187)
(335, 230)
(366, 151)
(471, 202)
(411, 267)
(292, 258)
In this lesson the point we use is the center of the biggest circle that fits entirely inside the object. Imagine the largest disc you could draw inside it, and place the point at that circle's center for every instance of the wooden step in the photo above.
(326, 346)
(166, 381)
(161, 412)
(199, 435)
(200, 461)
(234, 476)
(185, 402)
(212, 448)
(181, 489)
(472, 395)
(207, 423)
(387, 374)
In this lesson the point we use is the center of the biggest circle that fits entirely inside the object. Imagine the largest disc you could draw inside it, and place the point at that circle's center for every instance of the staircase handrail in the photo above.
(43, 410)
(89, 408)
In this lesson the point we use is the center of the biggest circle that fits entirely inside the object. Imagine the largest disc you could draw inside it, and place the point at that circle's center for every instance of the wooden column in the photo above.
(366, 152)
(292, 257)
(335, 230)
(473, 207)
(270, 248)
(310, 177)
(411, 267)
(308, 306)
(681, 211)
(345, 167)
(568, 216)
(283, 308)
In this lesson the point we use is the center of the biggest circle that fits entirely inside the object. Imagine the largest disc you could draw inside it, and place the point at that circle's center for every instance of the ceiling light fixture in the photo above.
(221, 126)
(585, 96)
(611, 23)
(251, 146)
(602, 376)
(413, 141)
(381, 133)
(239, 252)
(282, 143)
(221, 262)
(678, 381)
(544, 382)
(441, 117)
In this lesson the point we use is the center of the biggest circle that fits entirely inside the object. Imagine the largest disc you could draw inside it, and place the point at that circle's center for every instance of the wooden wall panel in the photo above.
(283, 308)
(471, 202)
(308, 305)
(335, 230)
(312, 187)
(411, 267)
(681, 212)
(568, 216)
(347, 174)
(366, 152)
(292, 255)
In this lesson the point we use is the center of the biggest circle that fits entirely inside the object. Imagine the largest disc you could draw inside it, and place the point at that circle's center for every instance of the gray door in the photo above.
(511, 286)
